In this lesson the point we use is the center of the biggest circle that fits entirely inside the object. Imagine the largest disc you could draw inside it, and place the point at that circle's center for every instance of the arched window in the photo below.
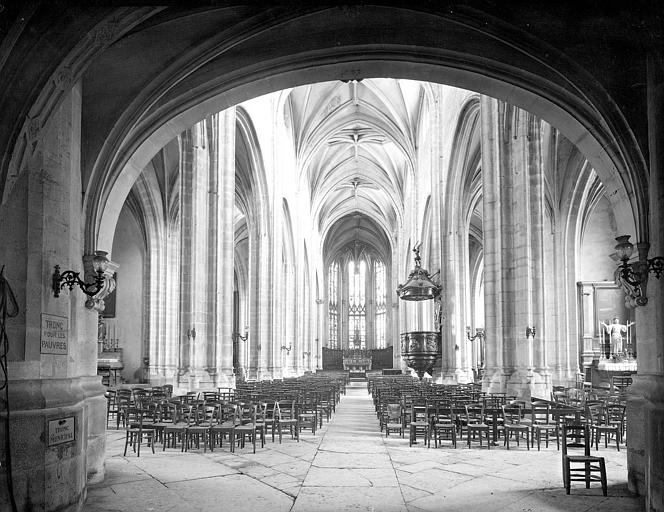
(333, 304)
(357, 304)
(381, 304)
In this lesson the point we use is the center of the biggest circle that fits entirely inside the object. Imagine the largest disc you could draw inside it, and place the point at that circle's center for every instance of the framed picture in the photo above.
(110, 300)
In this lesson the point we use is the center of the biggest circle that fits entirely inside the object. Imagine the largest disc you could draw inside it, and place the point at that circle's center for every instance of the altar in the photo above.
(357, 361)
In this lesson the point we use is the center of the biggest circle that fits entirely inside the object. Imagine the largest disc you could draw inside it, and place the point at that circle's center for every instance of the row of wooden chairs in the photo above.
(540, 423)
(198, 424)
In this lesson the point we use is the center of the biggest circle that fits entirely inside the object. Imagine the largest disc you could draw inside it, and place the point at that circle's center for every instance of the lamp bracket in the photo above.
(69, 278)
(633, 277)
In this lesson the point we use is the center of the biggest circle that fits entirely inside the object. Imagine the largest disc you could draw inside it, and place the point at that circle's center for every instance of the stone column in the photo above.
(645, 405)
(222, 211)
(513, 207)
(492, 160)
(51, 386)
(196, 322)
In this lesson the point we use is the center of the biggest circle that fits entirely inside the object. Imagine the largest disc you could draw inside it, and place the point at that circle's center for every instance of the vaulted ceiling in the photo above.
(355, 144)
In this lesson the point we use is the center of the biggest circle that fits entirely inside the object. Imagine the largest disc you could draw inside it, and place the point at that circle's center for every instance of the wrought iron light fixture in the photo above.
(633, 277)
(479, 333)
(287, 349)
(240, 337)
(530, 332)
(70, 278)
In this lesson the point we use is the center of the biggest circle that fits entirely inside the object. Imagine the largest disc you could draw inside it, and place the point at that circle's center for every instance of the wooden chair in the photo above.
(201, 419)
(135, 435)
(600, 424)
(308, 413)
(419, 423)
(224, 423)
(248, 428)
(581, 468)
(443, 425)
(174, 432)
(542, 423)
(616, 416)
(393, 420)
(285, 413)
(512, 425)
(475, 424)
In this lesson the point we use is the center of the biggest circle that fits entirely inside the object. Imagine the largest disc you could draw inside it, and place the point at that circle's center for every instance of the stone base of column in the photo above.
(645, 423)
(457, 376)
(526, 384)
(494, 380)
(225, 378)
(51, 466)
(560, 376)
(161, 375)
(518, 384)
(95, 416)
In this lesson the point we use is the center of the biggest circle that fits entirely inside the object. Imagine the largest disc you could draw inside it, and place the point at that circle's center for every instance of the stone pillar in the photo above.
(513, 207)
(222, 232)
(196, 322)
(645, 405)
(492, 158)
(50, 386)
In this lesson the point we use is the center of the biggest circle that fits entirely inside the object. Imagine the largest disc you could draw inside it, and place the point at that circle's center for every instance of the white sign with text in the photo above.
(54, 334)
(61, 430)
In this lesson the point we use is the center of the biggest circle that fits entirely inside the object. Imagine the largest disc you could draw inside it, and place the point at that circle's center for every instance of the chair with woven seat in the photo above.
(136, 434)
(615, 413)
(201, 419)
(542, 423)
(476, 424)
(600, 425)
(308, 413)
(224, 422)
(175, 431)
(581, 468)
(512, 424)
(123, 401)
(443, 425)
(419, 423)
(285, 414)
(247, 429)
(393, 421)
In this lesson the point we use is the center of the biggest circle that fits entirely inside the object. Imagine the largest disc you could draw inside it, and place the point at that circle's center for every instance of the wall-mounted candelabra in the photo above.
(633, 277)
(530, 332)
(479, 333)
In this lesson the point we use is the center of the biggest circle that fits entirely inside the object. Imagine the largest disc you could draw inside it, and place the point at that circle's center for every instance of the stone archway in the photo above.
(500, 63)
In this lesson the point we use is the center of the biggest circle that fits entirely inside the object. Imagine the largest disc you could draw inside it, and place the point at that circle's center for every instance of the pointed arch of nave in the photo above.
(252, 200)
(286, 306)
(150, 209)
(589, 119)
(461, 180)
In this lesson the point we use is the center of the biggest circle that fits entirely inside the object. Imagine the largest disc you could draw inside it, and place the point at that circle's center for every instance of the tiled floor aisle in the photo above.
(349, 466)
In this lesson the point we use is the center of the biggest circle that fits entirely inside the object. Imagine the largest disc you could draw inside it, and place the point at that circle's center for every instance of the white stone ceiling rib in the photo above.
(355, 144)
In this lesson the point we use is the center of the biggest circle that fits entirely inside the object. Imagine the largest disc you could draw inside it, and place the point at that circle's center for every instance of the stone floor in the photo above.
(349, 466)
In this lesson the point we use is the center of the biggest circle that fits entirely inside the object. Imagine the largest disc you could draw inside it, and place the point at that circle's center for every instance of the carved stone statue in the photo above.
(615, 331)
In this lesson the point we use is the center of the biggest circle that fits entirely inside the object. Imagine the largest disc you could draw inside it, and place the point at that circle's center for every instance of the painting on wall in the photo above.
(109, 301)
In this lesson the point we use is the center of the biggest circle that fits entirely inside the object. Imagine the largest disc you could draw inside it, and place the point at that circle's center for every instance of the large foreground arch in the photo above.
(138, 93)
